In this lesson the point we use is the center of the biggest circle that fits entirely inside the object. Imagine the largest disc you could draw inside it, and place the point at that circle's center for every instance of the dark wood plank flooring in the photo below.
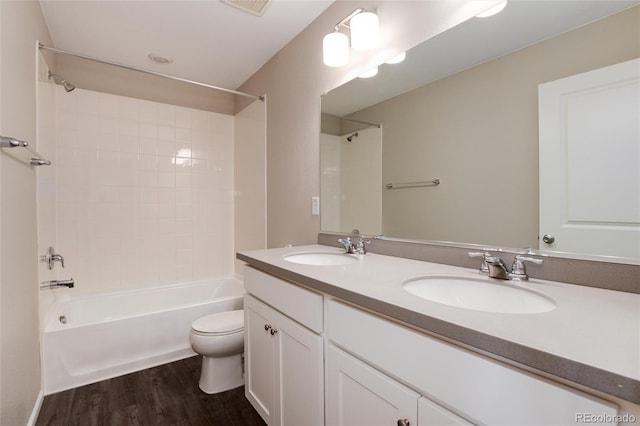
(164, 395)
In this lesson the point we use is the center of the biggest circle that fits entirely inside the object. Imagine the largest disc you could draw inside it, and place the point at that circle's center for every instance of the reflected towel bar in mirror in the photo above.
(434, 182)
(35, 159)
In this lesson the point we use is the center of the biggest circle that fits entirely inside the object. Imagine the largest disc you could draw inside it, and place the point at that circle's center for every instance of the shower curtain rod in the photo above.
(158, 74)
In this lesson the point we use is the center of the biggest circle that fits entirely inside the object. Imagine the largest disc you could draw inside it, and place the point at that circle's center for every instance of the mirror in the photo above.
(351, 164)
(462, 109)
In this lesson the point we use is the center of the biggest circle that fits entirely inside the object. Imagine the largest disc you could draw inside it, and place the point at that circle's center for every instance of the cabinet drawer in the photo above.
(477, 387)
(300, 304)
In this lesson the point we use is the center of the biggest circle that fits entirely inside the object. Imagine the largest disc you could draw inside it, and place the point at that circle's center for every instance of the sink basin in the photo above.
(480, 295)
(320, 258)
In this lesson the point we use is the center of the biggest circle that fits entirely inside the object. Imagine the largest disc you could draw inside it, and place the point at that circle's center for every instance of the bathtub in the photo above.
(91, 338)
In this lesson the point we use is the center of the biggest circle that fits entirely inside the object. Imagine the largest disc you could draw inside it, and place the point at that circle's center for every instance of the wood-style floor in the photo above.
(164, 395)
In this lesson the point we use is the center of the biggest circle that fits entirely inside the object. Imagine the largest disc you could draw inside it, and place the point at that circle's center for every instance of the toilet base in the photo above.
(221, 374)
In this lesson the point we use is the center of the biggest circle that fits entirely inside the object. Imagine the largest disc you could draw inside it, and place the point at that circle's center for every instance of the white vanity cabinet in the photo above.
(358, 394)
(311, 359)
(431, 414)
(477, 389)
(283, 353)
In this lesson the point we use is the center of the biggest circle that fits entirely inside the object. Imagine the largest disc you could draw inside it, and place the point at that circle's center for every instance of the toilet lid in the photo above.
(220, 323)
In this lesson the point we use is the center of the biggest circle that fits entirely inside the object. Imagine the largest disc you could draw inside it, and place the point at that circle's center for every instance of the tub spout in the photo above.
(58, 283)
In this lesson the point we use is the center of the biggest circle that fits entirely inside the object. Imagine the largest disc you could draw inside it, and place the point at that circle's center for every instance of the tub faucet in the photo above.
(354, 248)
(497, 268)
(58, 283)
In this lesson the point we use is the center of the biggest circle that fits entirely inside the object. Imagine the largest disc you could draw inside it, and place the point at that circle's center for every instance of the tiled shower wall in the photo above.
(139, 193)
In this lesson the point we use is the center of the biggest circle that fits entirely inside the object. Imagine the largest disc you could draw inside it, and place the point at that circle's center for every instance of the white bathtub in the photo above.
(111, 334)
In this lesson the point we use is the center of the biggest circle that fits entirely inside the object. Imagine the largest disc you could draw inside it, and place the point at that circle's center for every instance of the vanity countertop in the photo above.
(592, 338)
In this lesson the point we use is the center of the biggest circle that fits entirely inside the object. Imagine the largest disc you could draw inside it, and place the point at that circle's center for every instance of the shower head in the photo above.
(61, 81)
(350, 138)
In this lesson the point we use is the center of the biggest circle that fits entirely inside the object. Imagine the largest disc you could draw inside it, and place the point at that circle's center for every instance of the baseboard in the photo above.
(36, 409)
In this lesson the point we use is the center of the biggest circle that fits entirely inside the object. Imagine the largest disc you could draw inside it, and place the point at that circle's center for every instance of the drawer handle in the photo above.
(267, 327)
(273, 331)
(404, 422)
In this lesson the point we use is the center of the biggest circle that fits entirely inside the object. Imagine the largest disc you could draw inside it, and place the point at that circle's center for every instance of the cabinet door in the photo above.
(300, 375)
(260, 352)
(432, 414)
(357, 394)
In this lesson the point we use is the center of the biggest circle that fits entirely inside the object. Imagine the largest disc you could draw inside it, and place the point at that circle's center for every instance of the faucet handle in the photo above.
(52, 257)
(361, 246)
(347, 244)
(518, 269)
(484, 268)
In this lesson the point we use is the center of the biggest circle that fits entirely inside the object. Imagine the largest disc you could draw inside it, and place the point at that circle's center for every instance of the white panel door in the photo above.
(359, 395)
(590, 162)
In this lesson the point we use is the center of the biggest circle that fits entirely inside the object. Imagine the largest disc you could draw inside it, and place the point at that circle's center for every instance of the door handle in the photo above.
(548, 238)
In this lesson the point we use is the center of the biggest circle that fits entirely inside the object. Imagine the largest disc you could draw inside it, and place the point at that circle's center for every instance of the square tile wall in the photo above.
(142, 191)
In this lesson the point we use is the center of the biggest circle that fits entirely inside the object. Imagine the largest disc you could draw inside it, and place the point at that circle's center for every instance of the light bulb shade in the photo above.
(397, 59)
(493, 10)
(371, 73)
(365, 31)
(335, 49)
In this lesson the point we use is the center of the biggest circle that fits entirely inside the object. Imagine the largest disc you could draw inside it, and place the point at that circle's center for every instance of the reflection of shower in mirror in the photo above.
(350, 138)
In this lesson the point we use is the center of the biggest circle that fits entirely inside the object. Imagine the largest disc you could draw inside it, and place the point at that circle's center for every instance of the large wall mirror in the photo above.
(448, 145)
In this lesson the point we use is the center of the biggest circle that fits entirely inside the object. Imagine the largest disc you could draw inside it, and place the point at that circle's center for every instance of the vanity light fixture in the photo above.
(371, 73)
(365, 31)
(397, 59)
(365, 35)
(493, 10)
(335, 49)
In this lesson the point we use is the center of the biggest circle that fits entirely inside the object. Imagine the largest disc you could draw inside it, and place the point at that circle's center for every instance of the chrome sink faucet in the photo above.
(497, 268)
(354, 248)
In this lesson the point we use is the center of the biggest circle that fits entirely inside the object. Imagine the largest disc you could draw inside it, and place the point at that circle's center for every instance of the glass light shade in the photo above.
(493, 10)
(365, 31)
(397, 59)
(335, 49)
(368, 74)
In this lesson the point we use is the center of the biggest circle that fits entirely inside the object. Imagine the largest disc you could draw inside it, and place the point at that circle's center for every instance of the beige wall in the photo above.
(477, 131)
(21, 25)
(350, 181)
(295, 78)
(250, 179)
(360, 182)
(330, 181)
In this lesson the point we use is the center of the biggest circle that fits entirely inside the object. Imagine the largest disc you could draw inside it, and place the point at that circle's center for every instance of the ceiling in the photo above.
(208, 41)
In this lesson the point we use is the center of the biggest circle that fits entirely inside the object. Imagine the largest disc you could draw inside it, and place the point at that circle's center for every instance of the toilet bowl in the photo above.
(219, 338)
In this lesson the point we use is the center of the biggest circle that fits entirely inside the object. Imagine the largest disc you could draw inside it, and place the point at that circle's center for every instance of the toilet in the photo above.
(219, 338)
